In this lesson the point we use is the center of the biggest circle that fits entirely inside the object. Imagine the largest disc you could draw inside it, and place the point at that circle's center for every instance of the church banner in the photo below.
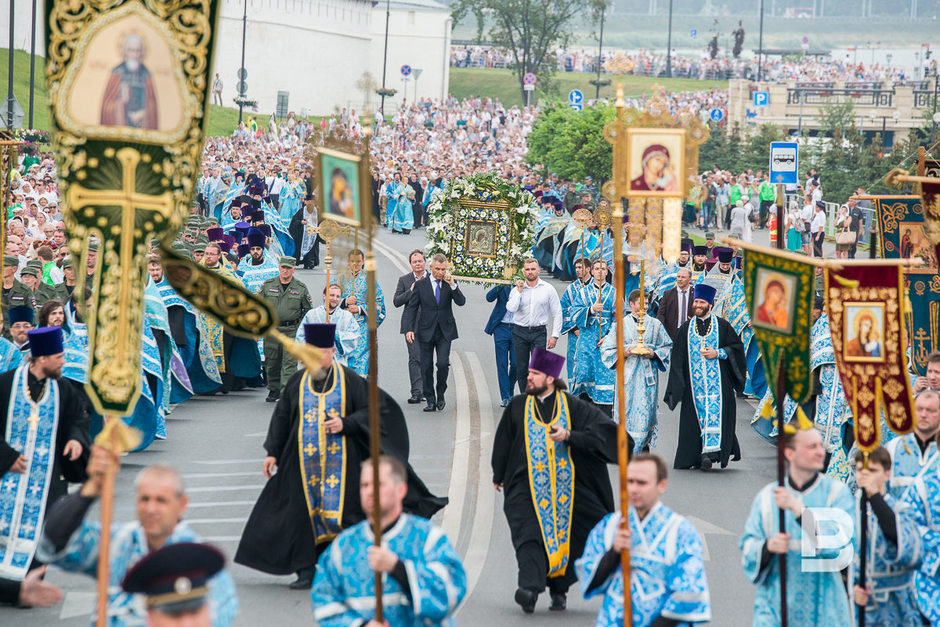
(866, 308)
(779, 293)
(128, 88)
(904, 235)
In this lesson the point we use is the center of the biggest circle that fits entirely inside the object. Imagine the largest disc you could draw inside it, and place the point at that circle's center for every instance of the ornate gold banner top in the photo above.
(128, 86)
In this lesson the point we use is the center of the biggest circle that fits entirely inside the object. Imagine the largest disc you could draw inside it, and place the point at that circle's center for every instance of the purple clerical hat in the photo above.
(322, 335)
(546, 362)
(704, 292)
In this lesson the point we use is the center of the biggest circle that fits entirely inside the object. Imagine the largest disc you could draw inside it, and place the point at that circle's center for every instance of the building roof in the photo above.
(414, 5)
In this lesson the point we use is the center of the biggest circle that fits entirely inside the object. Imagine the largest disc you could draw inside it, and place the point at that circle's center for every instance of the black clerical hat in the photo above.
(176, 577)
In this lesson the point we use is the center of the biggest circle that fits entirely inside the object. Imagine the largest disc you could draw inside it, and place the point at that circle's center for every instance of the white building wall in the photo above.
(312, 49)
(416, 37)
(317, 50)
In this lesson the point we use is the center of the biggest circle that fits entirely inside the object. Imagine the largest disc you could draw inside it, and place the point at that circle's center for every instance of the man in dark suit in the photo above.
(671, 304)
(500, 327)
(429, 320)
(402, 293)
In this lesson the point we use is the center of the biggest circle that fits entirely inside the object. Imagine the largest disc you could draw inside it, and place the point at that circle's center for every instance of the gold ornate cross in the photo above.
(332, 481)
(122, 366)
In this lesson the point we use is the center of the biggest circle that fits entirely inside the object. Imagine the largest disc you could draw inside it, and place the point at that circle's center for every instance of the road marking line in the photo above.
(453, 513)
(482, 526)
(209, 475)
(77, 604)
(225, 488)
(393, 255)
(222, 462)
(206, 521)
(221, 538)
(218, 504)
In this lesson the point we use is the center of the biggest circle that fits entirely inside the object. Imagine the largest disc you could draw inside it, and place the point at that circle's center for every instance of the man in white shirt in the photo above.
(818, 228)
(531, 303)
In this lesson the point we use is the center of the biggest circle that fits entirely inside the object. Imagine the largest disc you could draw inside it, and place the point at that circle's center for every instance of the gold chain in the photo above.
(708, 329)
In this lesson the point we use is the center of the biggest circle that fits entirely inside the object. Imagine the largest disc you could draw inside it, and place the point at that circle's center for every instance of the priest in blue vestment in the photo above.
(893, 548)
(706, 369)
(424, 581)
(816, 594)
(44, 446)
(668, 585)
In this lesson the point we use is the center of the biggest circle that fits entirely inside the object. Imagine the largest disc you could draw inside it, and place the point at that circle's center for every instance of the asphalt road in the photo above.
(216, 443)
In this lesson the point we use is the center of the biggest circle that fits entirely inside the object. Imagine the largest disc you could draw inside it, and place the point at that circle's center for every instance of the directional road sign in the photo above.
(784, 161)
(242, 73)
(761, 98)
(529, 78)
(575, 96)
(716, 115)
(406, 70)
(577, 106)
(693, 33)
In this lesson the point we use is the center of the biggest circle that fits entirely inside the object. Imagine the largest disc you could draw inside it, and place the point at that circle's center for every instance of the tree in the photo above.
(528, 29)
(571, 143)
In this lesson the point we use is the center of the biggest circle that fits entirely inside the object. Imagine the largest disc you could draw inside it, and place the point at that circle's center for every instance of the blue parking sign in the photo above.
(761, 98)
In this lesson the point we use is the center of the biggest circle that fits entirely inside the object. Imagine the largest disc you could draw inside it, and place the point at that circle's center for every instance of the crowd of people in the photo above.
(252, 224)
(648, 63)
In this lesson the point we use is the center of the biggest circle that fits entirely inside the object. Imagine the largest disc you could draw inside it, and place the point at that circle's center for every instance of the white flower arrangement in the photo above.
(448, 220)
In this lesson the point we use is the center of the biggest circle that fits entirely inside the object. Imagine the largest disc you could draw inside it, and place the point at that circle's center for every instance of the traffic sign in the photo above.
(784, 161)
(242, 73)
(575, 96)
(761, 98)
(716, 115)
(406, 70)
(242, 88)
(693, 33)
(528, 87)
(577, 106)
(529, 78)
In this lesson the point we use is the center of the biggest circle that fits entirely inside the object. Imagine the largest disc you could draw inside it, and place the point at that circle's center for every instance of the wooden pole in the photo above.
(863, 548)
(781, 220)
(622, 454)
(781, 481)
(328, 260)
(375, 449)
(104, 548)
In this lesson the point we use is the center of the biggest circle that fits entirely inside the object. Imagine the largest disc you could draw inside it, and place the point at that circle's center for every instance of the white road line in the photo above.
(206, 521)
(77, 604)
(222, 462)
(221, 538)
(393, 255)
(211, 475)
(225, 488)
(258, 434)
(219, 504)
(453, 513)
(482, 526)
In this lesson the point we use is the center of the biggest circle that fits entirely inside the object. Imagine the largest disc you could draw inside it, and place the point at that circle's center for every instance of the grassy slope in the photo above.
(503, 85)
(222, 120)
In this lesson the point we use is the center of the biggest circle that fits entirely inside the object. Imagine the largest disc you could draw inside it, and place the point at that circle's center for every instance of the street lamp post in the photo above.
(600, 50)
(32, 64)
(241, 74)
(10, 72)
(760, 44)
(388, 14)
(669, 45)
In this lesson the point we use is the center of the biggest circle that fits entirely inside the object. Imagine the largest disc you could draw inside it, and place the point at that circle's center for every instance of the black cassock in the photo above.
(593, 445)
(679, 388)
(278, 536)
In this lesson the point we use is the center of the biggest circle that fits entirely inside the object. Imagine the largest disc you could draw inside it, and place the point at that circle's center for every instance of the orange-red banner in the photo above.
(865, 305)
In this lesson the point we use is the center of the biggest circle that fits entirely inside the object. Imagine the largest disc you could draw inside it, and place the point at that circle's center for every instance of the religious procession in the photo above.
(207, 421)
